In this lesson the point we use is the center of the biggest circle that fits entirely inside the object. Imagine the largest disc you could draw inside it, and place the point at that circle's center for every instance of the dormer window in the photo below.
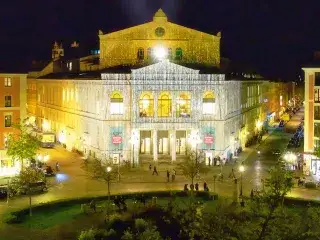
(178, 54)
(140, 53)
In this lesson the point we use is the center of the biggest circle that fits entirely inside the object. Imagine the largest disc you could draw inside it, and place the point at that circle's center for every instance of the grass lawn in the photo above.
(52, 217)
(56, 216)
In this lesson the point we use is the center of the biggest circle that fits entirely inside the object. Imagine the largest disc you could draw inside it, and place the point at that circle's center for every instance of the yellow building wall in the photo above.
(121, 47)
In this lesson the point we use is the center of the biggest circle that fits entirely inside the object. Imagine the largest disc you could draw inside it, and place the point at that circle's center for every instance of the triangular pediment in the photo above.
(165, 67)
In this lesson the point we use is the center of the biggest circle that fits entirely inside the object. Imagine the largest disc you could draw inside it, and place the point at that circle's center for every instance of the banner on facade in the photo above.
(208, 139)
(116, 139)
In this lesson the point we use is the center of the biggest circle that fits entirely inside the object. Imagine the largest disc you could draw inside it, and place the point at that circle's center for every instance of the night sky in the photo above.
(275, 37)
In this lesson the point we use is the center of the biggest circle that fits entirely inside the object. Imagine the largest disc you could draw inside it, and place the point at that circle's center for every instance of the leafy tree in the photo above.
(193, 166)
(142, 230)
(277, 186)
(24, 181)
(21, 144)
(317, 152)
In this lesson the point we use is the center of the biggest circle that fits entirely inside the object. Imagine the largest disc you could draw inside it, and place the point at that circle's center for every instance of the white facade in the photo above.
(155, 111)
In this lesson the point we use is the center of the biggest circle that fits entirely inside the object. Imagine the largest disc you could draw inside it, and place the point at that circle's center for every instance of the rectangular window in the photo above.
(317, 95)
(316, 143)
(7, 82)
(317, 130)
(317, 79)
(7, 101)
(7, 120)
(116, 108)
(316, 112)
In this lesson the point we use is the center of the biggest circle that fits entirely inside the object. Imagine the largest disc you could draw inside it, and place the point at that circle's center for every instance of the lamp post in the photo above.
(241, 170)
(134, 140)
(108, 170)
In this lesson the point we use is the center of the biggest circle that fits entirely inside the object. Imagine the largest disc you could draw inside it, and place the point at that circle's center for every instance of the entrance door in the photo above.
(145, 143)
(181, 142)
(163, 141)
(209, 155)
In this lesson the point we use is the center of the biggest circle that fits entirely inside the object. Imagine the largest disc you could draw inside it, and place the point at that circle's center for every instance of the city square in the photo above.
(156, 110)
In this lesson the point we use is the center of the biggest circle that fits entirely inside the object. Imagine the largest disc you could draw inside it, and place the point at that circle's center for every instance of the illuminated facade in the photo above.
(12, 108)
(158, 90)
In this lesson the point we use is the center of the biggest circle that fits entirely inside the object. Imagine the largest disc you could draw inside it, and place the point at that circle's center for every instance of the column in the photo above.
(135, 147)
(173, 146)
(155, 145)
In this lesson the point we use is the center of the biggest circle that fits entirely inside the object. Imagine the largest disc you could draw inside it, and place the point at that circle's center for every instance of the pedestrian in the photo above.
(231, 175)
(205, 187)
(155, 171)
(57, 166)
(214, 161)
(197, 186)
(251, 193)
(209, 159)
(185, 188)
(168, 176)
(150, 167)
(191, 187)
(93, 205)
(173, 175)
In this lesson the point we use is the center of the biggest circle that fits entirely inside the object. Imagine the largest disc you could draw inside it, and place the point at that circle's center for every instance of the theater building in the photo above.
(150, 92)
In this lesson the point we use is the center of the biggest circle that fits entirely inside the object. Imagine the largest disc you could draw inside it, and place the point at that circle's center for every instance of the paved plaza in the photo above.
(72, 181)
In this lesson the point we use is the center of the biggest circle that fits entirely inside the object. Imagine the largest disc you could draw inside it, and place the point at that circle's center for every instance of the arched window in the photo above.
(208, 102)
(164, 105)
(149, 53)
(140, 53)
(178, 54)
(116, 105)
(146, 105)
(183, 108)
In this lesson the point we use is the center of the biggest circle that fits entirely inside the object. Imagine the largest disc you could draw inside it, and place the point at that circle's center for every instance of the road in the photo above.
(73, 181)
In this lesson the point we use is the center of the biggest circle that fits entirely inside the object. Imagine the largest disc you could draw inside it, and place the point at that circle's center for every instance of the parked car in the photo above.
(276, 152)
(36, 187)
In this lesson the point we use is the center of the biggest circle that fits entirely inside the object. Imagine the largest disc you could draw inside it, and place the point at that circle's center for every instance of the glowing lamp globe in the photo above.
(160, 53)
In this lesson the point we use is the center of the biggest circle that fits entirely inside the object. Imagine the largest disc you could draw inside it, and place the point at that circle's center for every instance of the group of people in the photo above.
(172, 173)
(196, 187)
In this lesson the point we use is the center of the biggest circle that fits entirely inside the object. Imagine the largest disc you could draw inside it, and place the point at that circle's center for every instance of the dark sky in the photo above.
(275, 37)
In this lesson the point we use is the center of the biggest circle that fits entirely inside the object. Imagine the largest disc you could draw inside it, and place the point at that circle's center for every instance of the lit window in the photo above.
(116, 106)
(164, 105)
(7, 101)
(178, 54)
(69, 66)
(7, 82)
(183, 105)
(7, 121)
(146, 105)
(208, 103)
(140, 53)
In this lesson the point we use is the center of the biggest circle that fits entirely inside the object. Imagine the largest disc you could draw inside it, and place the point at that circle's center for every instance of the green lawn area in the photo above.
(52, 217)
(56, 216)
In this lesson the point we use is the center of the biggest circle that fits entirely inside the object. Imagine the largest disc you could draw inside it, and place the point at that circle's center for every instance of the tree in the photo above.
(21, 144)
(193, 165)
(277, 187)
(24, 181)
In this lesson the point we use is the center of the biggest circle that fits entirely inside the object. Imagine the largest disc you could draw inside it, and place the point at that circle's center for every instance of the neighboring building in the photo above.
(13, 100)
(156, 89)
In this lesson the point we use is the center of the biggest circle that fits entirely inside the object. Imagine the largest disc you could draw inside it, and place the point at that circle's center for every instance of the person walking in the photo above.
(150, 167)
(186, 188)
(232, 175)
(173, 175)
(196, 186)
(191, 187)
(155, 171)
(209, 159)
(168, 176)
(205, 187)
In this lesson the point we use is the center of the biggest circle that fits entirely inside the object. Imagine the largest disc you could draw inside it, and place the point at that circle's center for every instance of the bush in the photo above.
(310, 185)
(13, 218)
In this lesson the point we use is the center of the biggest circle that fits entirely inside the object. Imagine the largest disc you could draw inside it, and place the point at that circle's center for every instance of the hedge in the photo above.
(18, 216)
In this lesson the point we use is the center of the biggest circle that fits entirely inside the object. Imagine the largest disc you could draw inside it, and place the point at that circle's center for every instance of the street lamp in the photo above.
(241, 170)
(134, 141)
(108, 170)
